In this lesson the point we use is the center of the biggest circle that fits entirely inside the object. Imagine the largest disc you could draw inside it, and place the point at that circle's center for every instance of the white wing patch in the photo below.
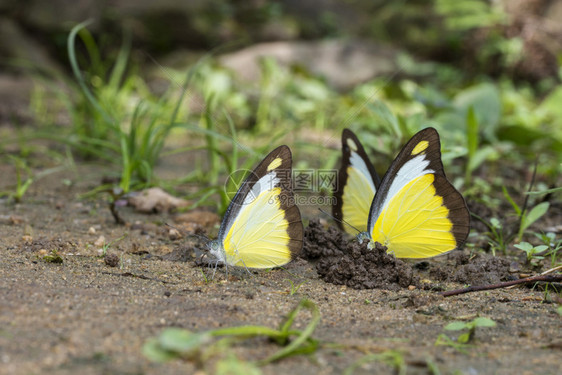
(357, 162)
(411, 170)
(267, 182)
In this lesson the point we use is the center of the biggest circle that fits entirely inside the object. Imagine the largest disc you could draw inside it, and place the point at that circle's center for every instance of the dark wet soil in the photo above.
(92, 314)
(480, 269)
(342, 261)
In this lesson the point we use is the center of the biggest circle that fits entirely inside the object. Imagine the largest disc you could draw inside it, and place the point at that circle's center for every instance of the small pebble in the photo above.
(100, 241)
(27, 239)
(411, 287)
(92, 230)
(42, 252)
(174, 234)
(27, 230)
(111, 260)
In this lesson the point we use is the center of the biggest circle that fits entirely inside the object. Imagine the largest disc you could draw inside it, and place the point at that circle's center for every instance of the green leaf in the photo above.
(484, 98)
(154, 352)
(464, 338)
(234, 366)
(495, 223)
(525, 246)
(484, 322)
(456, 326)
(182, 341)
(541, 248)
(511, 201)
(535, 214)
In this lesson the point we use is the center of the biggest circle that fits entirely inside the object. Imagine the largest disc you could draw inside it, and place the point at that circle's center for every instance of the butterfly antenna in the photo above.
(340, 220)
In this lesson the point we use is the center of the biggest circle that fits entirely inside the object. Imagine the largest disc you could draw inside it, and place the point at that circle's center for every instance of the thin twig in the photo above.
(544, 273)
(129, 274)
(477, 288)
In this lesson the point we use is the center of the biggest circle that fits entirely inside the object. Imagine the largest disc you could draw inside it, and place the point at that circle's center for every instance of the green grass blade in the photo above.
(76, 70)
(472, 143)
(511, 201)
(121, 64)
(305, 335)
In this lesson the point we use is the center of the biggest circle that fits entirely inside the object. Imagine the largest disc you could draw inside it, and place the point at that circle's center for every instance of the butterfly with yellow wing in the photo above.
(416, 212)
(262, 227)
(357, 184)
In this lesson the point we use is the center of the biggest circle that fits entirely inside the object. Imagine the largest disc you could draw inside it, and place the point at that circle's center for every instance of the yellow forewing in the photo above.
(258, 238)
(357, 197)
(415, 223)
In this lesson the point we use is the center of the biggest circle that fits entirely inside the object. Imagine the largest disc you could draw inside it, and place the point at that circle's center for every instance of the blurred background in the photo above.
(521, 39)
(239, 77)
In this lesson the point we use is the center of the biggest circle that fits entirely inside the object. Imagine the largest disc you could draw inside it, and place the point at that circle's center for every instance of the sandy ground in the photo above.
(83, 316)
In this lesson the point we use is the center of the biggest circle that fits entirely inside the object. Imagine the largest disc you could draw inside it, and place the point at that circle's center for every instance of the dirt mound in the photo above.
(479, 270)
(345, 262)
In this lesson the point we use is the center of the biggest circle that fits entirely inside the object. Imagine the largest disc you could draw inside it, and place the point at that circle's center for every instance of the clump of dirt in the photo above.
(320, 242)
(480, 270)
(49, 244)
(112, 260)
(344, 262)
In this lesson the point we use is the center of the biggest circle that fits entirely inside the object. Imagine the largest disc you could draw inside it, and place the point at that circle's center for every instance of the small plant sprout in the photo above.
(532, 252)
(107, 245)
(392, 358)
(24, 178)
(174, 343)
(526, 216)
(470, 327)
(53, 257)
(549, 239)
(294, 288)
(496, 238)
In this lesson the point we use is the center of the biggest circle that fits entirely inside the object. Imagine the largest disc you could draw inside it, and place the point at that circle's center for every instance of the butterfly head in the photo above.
(216, 249)
(363, 236)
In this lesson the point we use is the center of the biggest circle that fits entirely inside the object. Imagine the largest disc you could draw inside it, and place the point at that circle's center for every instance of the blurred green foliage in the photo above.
(493, 129)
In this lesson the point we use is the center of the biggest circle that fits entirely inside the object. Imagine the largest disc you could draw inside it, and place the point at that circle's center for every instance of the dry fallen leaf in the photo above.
(156, 200)
(193, 220)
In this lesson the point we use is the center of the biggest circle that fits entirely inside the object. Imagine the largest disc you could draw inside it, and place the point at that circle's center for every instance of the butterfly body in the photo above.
(262, 227)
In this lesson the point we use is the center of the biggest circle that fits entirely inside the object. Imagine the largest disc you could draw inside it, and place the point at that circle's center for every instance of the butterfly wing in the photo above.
(416, 212)
(262, 227)
(357, 184)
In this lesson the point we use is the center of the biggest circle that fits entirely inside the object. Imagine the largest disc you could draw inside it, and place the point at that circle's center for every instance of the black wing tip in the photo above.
(348, 133)
(279, 150)
(429, 129)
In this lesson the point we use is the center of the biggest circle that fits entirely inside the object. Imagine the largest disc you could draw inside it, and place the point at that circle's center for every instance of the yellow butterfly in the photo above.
(415, 212)
(262, 227)
(357, 184)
